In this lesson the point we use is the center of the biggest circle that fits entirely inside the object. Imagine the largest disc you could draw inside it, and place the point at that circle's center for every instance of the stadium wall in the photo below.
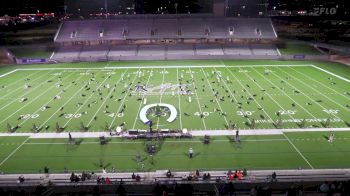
(197, 57)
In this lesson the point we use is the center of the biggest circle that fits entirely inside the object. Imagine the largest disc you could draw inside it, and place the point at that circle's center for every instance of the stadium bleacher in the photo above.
(166, 28)
(165, 37)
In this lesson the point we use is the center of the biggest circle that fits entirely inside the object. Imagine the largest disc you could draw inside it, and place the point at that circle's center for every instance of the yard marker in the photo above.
(123, 101)
(317, 91)
(83, 86)
(307, 95)
(104, 101)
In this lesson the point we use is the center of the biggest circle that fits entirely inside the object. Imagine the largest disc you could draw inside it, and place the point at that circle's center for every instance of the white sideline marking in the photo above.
(13, 152)
(160, 67)
(8, 73)
(296, 149)
(333, 74)
(97, 133)
(208, 66)
(59, 68)
(136, 142)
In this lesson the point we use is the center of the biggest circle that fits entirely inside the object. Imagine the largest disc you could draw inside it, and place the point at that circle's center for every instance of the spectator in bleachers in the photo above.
(274, 177)
(72, 177)
(83, 176)
(324, 188)
(107, 181)
(138, 178)
(168, 174)
(21, 179)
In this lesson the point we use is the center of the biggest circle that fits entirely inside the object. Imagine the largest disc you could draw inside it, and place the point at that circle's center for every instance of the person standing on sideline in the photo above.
(190, 153)
(238, 139)
(331, 137)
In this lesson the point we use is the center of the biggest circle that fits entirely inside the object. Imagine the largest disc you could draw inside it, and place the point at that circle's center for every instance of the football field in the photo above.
(205, 97)
(211, 96)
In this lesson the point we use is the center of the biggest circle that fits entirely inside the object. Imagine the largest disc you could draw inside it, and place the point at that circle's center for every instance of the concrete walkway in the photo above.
(254, 176)
(193, 133)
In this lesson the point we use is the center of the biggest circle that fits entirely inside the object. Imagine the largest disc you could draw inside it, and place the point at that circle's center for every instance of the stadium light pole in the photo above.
(106, 8)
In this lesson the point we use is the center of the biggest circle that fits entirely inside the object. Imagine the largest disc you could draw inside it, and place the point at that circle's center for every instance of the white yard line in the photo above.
(143, 97)
(48, 102)
(86, 100)
(20, 87)
(298, 151)
(13, 152)
(257, 84)
(106, 98)
(333, 74)
(286, 81)
(250, 95)
(161, 94)
(8, 73)
(64, 104)
(314, 89)
(278, 52)
(320, 83)
(28, 103)
(27, 92)
(302, 107)
(216, 100)
(229, 89)
(199, 105)
(123, 101)
(178, 95)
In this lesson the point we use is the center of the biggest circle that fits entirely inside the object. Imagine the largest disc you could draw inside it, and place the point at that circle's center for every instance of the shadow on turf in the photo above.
(347, 124)
(72, 145)
(193, 156)
(100, 164)
(326, 137)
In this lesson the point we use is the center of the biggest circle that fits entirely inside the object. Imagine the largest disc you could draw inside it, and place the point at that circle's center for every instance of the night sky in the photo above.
(14, 7)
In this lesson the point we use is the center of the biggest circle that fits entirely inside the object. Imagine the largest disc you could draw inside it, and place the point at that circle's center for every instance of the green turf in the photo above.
(254, 152)
(245, 94)
(298, 48)
(31, 51)
(298, 92)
